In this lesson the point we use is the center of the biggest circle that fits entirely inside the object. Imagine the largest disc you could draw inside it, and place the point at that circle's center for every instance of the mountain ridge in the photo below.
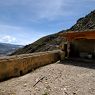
(51, 42)
(87, 22)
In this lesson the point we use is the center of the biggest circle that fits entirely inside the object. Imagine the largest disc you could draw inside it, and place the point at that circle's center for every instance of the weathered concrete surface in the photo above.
(21, 64)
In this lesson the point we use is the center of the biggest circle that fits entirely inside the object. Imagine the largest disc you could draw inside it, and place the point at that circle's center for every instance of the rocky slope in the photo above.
(46, 43)
(51, 42)
(87, 22)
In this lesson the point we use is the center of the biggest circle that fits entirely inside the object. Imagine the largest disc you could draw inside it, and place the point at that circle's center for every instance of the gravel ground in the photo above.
(61, 78)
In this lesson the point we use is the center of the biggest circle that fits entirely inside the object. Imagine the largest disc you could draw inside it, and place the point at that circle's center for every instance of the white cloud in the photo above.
(37, 9)
(18, 35)
(27, 12)
(7, 39)
(49, 9)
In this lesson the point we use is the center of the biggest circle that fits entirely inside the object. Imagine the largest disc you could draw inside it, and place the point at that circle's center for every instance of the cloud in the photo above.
(49, 9)
(25, 11)
(7, 39)
(35, 9)
(19, 35)
(28, 20)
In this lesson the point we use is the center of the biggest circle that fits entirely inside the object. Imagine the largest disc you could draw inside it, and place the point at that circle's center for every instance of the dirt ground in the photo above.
(61, 78)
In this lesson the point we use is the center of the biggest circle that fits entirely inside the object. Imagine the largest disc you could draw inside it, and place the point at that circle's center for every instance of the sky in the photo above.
(24, 21)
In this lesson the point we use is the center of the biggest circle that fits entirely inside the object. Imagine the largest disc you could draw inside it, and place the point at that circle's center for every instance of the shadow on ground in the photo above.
(80, 62)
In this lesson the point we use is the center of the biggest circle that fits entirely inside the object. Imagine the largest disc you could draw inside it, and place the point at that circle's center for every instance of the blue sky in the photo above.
(25, 21)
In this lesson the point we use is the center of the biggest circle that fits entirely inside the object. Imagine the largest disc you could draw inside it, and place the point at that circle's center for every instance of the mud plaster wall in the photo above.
(15, 66)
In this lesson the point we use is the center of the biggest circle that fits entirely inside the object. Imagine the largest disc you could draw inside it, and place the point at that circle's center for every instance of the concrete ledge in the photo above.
(14, 66)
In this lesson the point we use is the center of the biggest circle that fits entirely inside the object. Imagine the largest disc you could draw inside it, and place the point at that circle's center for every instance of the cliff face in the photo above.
(51, 42)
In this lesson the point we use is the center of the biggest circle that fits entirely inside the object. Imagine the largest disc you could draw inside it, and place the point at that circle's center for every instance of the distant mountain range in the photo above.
(51, 42)
(6, 49)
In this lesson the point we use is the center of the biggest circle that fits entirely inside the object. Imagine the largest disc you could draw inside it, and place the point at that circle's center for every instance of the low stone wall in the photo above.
(15, 66)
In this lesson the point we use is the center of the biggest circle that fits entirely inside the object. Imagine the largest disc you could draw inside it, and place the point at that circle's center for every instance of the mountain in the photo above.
(51, 42)
(46, 43)
(84, 23)
(6, 49)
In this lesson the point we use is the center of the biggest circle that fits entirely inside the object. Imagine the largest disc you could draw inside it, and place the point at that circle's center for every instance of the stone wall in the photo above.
(15, 66)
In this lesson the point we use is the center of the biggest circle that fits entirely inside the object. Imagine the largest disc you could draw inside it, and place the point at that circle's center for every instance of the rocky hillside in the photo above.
(46, 43)
(51, 42)
(87, 22)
